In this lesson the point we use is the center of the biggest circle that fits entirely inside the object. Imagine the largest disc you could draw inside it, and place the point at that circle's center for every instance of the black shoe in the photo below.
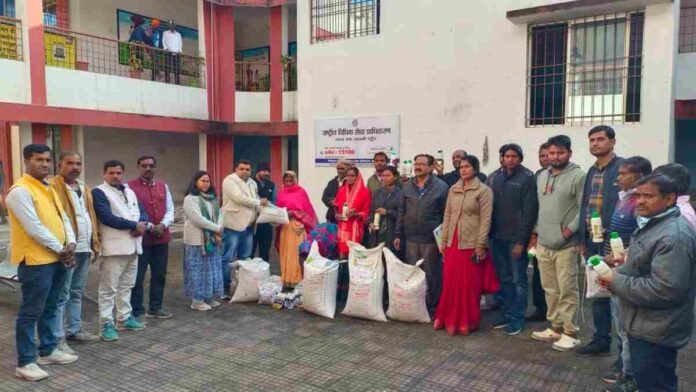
(595, 349)
(611, 377)
(535, 316)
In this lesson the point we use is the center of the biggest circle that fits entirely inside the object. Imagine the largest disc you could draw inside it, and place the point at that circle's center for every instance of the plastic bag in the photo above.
(407, 290)
(269, 290)
(438, 236)
(594, 288)
(366, 283)
(252, 273)
(273, 215)
(319, 285)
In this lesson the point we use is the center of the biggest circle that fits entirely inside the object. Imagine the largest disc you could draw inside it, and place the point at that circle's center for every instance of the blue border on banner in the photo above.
(330, 161)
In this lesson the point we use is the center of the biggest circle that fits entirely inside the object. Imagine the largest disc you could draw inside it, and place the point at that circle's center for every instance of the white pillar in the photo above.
(203, 151)
(79, 143)
(16, 151)
(284, 30)
(201, 28)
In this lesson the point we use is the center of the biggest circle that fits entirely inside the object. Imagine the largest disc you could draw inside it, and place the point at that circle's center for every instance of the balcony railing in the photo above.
(10, 39)
(290, 76)
(256, 77)
(253, 76)
(687, 30)
(86, 52)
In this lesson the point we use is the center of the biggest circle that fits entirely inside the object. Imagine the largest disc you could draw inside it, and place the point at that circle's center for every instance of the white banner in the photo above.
(354, 138)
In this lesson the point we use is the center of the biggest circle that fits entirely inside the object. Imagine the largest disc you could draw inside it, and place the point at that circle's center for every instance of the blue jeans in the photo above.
(601, 315)
(654, 366)
(41, 288)
(71, 297)
(237, 245)
(512, 275)
(623, 363)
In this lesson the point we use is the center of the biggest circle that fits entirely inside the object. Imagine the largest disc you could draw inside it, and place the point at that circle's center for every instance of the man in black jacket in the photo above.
(452, 177)
(538, 294)
(421, 211)
(515, 209)
(264, 231)
(331, 189)
(600, 195)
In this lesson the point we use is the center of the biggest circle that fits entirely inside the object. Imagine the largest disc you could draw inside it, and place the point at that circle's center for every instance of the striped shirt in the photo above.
(624, 219)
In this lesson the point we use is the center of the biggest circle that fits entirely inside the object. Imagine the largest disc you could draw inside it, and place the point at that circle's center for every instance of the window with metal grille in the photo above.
(341, 19)
(7, 8)
(687, 30)
(585, 70)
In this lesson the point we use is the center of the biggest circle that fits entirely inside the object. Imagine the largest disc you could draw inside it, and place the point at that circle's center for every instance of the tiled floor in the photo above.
(255, 348)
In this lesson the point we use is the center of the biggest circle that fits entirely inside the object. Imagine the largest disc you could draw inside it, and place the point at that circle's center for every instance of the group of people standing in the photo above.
(492, 226)
(476, 235)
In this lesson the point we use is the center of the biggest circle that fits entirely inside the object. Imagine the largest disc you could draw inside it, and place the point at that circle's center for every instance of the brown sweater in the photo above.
(469, 212)
(58, 184)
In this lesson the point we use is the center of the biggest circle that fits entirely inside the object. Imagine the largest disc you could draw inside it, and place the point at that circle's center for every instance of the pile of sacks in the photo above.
(317, 292)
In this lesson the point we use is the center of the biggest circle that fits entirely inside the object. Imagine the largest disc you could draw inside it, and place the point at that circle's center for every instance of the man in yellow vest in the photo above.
(43, 245)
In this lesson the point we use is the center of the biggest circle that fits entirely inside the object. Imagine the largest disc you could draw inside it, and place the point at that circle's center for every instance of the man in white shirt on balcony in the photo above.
(171, 42)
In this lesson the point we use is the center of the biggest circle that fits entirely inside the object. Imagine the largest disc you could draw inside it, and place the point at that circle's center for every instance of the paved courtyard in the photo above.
(248, 347)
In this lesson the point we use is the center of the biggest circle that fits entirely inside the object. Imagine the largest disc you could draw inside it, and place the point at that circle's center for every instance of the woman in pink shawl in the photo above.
(290, 236)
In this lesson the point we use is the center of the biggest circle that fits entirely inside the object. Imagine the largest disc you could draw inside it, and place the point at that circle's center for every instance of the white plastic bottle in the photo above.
(376, 220)
(596, 228)
(440, 157)
(600, 266)
(617, 246)
(531, 253)
(392, 157)
(344, 213)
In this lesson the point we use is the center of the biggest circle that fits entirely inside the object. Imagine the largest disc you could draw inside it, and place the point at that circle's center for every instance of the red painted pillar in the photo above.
(220, 159)
(276, 38)
(220, 69)
(37, 55)
(220, 65)
(38, 133)
(277, 159)
(6, 155)
(66, 138)
(63, 14)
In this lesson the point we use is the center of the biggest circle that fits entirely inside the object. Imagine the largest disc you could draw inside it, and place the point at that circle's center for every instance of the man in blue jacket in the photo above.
(600, 195)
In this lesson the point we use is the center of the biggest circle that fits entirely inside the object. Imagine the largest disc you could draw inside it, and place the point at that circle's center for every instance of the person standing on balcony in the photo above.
(43, 245)
(264, 231)
(156, 199)
(172, 43)
(122, 223)
(158, 57)
(76, 199)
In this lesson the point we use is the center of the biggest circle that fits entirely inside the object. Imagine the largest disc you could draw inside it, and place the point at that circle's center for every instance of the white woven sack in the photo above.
(366, 283)
(319, 284)
(252, 274)
(407, 289)
(273, 215)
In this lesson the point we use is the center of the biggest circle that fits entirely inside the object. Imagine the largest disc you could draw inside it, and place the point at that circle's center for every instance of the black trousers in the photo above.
(263, 240)
(156, 257)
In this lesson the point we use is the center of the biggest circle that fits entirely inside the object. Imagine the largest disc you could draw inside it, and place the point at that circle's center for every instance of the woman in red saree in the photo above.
(352, 211)
(302, 220)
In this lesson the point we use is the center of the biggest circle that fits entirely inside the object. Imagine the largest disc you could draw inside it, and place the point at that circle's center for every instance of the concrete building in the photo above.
(73, 76)
(471, 75)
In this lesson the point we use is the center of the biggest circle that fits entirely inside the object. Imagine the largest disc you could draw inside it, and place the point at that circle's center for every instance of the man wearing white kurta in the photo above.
(122, 223)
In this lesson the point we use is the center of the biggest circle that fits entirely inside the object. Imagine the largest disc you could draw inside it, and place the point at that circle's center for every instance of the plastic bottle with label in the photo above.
(617, 246)
(531, 253)
(596, 228)
(600, 266)
(441, 157)
(344, 213)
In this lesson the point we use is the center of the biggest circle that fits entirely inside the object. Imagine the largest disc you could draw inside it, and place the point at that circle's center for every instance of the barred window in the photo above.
(341, 19)
(585, 70)
(687, 30)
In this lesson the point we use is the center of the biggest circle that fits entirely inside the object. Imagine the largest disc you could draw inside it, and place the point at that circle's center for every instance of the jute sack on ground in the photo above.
(407, 289)
(319, 283)
(252, 273)
(366, 282)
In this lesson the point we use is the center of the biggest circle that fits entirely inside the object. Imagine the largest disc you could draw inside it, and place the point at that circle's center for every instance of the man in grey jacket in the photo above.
(657, 285)
(560, 196)
(421, 211)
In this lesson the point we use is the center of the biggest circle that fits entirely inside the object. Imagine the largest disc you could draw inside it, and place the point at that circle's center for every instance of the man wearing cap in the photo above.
(171, 42)
(264, 231)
